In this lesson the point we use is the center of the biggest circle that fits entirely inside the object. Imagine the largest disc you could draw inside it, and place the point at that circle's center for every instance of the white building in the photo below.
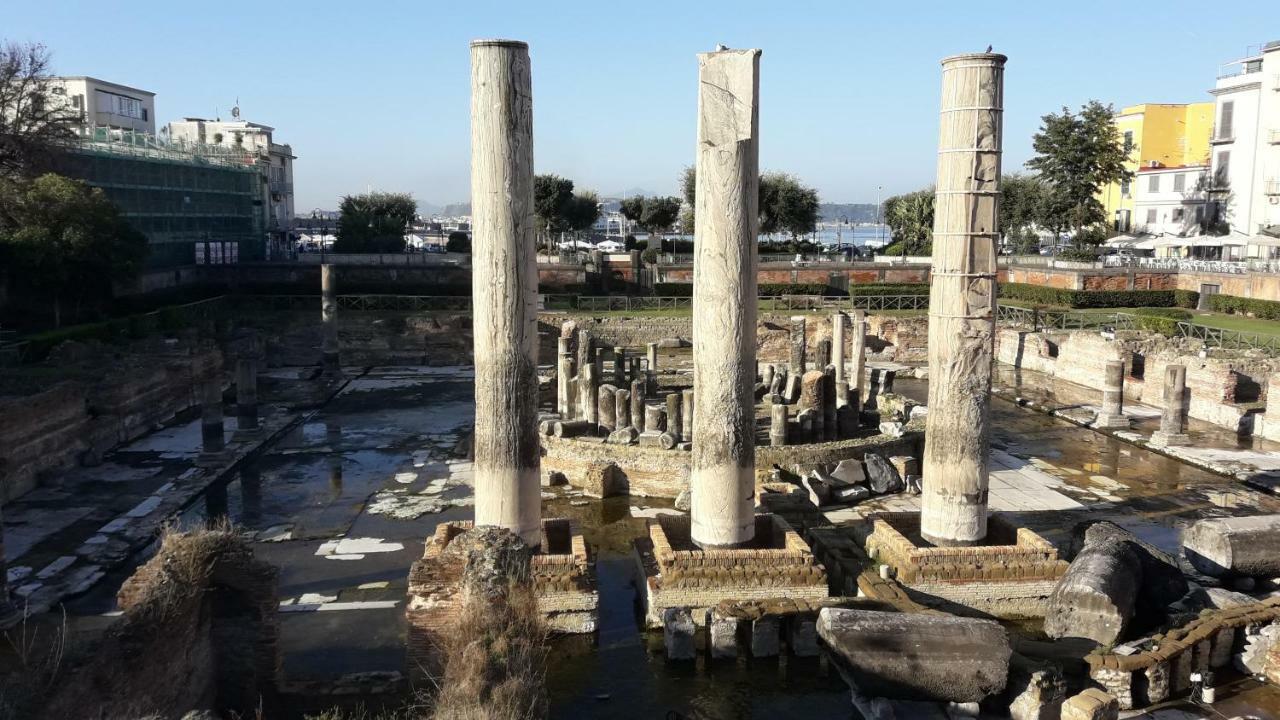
(1170, 200)
(103, 104)
(276, 161)
(1246, 143)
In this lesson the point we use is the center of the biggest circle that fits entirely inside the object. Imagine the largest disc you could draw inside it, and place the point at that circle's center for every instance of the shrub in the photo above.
(777, 289)
(1265, 309)
(1163, 320)
(650, 256)
(1042, 295)
(889, 289)
(673, 289)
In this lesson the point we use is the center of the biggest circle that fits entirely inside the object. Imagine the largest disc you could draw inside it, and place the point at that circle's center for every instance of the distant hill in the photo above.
(456, 209)
(853, 212)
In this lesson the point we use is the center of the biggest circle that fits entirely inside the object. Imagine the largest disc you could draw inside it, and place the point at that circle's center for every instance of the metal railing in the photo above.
(1234, 339)
(1233, 267)
(612, 303)
(1037, 319)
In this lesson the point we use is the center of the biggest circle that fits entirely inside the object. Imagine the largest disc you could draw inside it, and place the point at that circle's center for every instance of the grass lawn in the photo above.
(1239, 323)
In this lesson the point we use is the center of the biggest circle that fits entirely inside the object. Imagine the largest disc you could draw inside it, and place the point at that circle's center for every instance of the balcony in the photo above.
(1222, 139)
(279, 187)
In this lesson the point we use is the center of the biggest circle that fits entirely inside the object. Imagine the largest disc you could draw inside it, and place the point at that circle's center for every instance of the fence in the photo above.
(1220, 337)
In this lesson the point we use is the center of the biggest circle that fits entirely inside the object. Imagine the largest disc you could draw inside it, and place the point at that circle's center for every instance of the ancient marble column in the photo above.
(837, 357)
(637, 404)
(829, 428)
(247, 424)
(588, 384)
(824, 353)
(673, 413)
(796, 365)
(585, 355)
(212, 439)
(622, 409)
(686, 415)
(605, 410)
(962, 302)
(858, 353)
(722, 477)
(330, 364)
(619, 366)
(1175, 408)
(504, 285)
(564, 374)
(1111, 416)
(651, 354)
(778, 425)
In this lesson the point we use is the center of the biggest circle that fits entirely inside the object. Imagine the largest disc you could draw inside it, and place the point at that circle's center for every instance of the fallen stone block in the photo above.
(625, 436)
(849, 494)
(819, 491)
(678, 633)
(1037, 695)
(917, 656)
(849, 472)
(881, 475)
(1234, 546)
(1092, 704)
(893, 429)
(1095, 598)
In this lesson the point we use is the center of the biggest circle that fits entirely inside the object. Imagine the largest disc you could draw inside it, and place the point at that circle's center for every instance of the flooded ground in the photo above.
(343, 502)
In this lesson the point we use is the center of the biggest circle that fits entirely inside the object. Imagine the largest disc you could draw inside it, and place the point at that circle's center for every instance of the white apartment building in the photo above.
(1170, 200)
(103, 104)
(276, 161)
(1245, 153)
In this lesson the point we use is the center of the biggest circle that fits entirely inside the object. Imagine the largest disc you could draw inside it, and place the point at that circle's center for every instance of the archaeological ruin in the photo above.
(732, 504)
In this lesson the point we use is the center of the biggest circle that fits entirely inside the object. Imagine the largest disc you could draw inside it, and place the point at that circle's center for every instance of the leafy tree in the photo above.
(632, 209)
(582, 211)
(1021, 196)
(786, 205)
(660, 214)
(910, 218)
(65, 241)
(458, 242)
(552, 196)
(33, 120)
(374, 222)
(1076, 155)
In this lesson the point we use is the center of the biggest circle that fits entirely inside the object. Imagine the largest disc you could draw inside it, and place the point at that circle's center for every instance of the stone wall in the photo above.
(603, 470)
(1223, 391)
(108, 399)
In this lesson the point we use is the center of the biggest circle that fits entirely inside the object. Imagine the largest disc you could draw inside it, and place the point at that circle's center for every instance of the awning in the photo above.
(1264, 240)
(1200, 241)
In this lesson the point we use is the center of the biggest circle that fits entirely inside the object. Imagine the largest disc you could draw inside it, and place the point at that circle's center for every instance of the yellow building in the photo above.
(1157, 135)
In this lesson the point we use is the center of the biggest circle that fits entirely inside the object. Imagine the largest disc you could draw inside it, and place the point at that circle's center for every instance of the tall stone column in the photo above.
(504, 282)
(777, 425)
(858, 353)
(1111, 416)
(796, 365)
(212, 437)
(686, 415)
(962, 302)
(330, 364)
(1175, 407)
(564, 376)
(722, 477)
(247, 424)
(651, 353)
(619, 366)
(837, 356)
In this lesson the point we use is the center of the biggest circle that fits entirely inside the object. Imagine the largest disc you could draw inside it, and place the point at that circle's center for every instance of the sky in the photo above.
(376, 94)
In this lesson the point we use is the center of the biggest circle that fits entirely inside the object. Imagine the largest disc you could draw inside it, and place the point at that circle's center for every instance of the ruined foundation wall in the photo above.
(107, 403)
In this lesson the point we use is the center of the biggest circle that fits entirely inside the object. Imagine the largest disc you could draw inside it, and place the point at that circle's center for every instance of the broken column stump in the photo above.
(1221, 547)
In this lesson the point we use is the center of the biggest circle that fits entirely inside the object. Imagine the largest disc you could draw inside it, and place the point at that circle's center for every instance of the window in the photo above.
(1153, 184)
(1124, 188)
(121, 105)
(1151, 216)
(1222, 173)
(1128, 141)
(1226, 122)
(1179, 182)
(1199, 215)
(1177, 214)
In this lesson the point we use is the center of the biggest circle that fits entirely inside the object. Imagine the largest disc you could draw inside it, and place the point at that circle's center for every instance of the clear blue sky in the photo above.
(376, 93)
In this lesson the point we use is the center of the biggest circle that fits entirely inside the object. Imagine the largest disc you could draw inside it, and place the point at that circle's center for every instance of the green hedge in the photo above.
(1043, 295)
(889, 289)
(673, 289)
(779, 289)
(1265, 309)
(1163, 320)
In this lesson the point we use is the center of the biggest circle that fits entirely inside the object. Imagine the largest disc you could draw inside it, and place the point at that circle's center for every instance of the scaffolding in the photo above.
(178, 194)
